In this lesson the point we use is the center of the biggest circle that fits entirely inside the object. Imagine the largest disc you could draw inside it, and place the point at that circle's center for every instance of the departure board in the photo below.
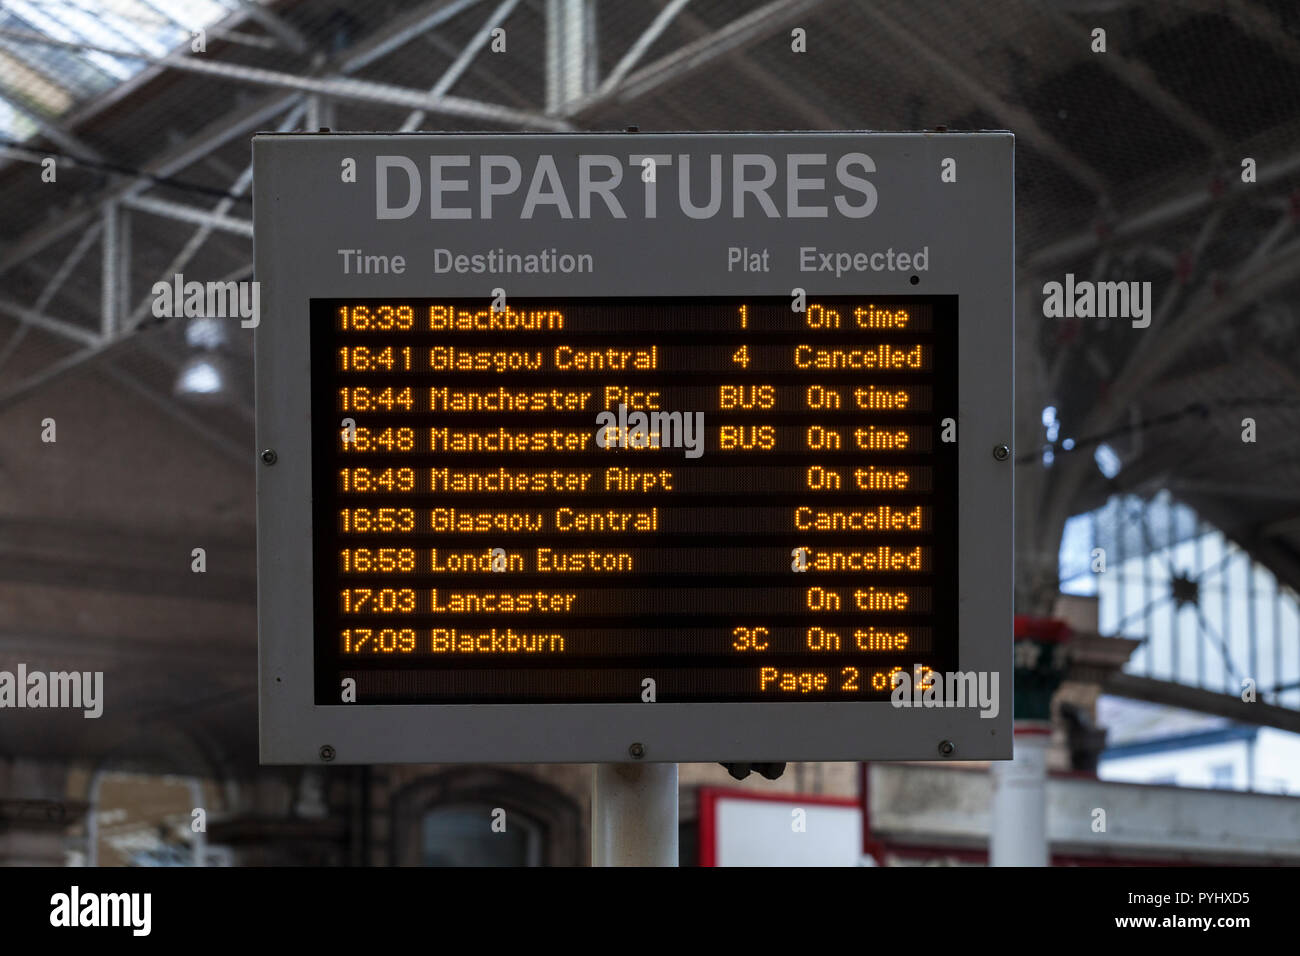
(559, 500)
(604, 447)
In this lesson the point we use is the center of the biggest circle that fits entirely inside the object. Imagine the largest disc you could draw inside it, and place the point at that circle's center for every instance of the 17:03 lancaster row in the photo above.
(392, 603)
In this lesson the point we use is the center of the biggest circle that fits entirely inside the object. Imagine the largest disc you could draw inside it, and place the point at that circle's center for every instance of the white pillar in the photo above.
(634, 815)
(1018, 834)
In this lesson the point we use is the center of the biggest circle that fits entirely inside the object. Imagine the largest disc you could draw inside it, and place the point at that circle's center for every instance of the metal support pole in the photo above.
(110, 272)
(634, 815)
(320, 113)
(1018, 835)
(570, 52)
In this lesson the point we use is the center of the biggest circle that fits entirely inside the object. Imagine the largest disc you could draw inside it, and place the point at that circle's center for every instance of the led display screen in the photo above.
(593, 500)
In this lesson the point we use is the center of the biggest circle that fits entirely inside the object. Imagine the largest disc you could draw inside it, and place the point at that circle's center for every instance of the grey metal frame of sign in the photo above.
(304, 213)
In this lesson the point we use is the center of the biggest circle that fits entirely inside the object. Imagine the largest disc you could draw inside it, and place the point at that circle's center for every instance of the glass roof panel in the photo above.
(48, 81)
